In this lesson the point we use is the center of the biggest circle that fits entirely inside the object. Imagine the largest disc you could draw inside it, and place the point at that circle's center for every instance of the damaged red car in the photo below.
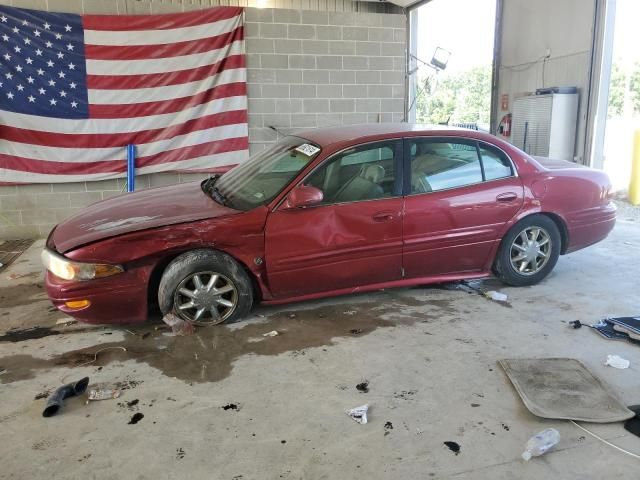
(327, 212)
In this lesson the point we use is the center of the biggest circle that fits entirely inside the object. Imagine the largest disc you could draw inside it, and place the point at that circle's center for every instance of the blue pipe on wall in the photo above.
(131, 168)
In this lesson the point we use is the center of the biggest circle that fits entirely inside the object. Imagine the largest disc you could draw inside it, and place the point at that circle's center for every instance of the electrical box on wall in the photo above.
(545, 125)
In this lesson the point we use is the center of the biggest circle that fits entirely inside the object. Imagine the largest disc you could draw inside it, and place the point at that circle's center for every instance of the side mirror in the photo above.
(304, 196)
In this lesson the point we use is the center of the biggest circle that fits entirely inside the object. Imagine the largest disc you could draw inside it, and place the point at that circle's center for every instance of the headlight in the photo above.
(69, 270)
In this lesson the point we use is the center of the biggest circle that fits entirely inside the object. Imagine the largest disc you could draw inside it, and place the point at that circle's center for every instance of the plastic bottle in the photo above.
(541, 443)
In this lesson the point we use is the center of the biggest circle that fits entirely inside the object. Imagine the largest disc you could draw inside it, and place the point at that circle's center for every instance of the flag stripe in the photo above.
(124, 126)
(159, 37)
(109, 82)
(157, 94)
(111, 152)
(183, 62)
(158, 22)
(14, 135)
(137, 52)
(11, 162)
(203, 164)
(167, 106)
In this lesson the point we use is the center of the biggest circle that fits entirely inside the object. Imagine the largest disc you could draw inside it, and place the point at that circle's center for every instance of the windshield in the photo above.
(258, 180)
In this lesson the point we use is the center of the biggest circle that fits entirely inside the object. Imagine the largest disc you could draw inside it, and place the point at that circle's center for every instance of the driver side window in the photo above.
(361, 173)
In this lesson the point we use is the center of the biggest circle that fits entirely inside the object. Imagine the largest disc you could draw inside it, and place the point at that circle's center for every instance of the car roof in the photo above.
(330, 135)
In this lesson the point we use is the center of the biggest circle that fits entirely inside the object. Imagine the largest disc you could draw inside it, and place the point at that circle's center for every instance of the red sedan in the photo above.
(328, 212)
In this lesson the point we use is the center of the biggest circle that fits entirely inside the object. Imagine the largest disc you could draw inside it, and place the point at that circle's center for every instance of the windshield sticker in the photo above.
(308, 150)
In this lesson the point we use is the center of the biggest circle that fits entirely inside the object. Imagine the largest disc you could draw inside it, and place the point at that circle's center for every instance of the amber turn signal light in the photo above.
(77, 304)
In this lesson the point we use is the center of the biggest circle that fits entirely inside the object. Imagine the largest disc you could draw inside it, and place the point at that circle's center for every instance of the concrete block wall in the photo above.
(312, 69)
(311, 63)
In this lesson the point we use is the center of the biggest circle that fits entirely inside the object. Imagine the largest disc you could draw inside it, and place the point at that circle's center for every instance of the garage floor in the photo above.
(229, 403)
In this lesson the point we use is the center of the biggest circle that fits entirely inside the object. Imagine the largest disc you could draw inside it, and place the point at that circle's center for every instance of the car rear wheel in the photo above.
(529, 251)
(205, 287)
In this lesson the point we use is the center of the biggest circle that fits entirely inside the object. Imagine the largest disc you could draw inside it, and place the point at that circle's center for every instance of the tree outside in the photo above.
(463, 97)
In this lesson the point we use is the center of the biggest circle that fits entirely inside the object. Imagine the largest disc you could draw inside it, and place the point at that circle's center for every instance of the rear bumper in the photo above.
(120, 298)
(591, 226)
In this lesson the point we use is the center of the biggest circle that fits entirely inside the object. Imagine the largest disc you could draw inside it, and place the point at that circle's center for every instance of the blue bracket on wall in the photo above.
(131, 168)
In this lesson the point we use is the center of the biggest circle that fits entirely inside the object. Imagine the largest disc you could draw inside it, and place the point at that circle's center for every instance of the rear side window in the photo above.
(496, 164)
(452, 163)
(442, 165)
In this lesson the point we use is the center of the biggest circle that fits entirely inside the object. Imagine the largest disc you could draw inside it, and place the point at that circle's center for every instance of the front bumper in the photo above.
(120, 298)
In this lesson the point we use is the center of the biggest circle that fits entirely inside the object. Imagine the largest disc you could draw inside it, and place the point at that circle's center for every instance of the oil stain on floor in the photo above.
(209, 354)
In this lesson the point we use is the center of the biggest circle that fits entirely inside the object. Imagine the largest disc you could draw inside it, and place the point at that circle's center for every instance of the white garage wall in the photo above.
(311, 63)
(529, 30)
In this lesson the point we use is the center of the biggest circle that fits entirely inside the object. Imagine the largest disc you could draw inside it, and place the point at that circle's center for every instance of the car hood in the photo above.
(130, 212)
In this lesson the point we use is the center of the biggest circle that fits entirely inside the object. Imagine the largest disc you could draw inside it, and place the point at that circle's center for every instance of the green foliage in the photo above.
(464, 97)
(617, 89)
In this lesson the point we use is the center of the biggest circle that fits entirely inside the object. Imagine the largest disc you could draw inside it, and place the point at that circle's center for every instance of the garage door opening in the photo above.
(451, 63)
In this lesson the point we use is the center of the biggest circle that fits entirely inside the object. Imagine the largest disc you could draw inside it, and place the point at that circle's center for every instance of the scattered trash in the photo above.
(103, 394)
(350, 312)
(359, 414)
(136, 418)
(292, 315)
(633, 424)
(272, 333)
(178, 326)
(66, 321)
(56, 401)
(363, 387)
(387, 427)
(616, 361)
(541, 443)
(230, 406)
(497, 296)
(576, 324)
(621, 328)
(355, 331)
(453, 446)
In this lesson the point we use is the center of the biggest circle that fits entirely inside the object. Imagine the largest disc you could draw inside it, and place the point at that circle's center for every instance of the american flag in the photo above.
(76, 89)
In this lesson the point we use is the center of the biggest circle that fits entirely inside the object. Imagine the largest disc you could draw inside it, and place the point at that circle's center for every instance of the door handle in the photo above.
(383, 217)
(507, 197)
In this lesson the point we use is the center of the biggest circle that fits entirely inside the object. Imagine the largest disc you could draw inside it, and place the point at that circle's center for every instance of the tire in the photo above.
(515, 251)
(196, 277)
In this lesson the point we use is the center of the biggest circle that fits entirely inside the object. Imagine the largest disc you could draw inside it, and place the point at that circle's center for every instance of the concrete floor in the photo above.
(429, 355)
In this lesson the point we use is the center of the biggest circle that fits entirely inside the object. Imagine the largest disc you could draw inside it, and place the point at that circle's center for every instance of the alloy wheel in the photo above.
(205, 298)
(530, 250)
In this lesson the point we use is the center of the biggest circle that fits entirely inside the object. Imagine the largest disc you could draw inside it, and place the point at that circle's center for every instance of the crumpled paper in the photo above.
(616, 361)
(359, 414)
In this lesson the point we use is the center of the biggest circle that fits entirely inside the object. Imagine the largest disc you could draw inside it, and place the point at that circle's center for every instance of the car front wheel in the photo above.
(529, 251)
(205, 287)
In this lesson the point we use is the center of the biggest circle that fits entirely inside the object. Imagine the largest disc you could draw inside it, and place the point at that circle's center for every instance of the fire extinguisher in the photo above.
(504, 127)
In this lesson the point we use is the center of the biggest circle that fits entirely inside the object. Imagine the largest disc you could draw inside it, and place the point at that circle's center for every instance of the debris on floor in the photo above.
(617, 361)
(496, 296)
(66, 321)
(633, 424)
(103, 394)
(272, 333)
(359, 414)
(178, 326)
(570, 391)
(453, 446)
(56, 400)
(541, 443)
(620, 328)
(388, 426)
(136, 418)
(363, 387)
